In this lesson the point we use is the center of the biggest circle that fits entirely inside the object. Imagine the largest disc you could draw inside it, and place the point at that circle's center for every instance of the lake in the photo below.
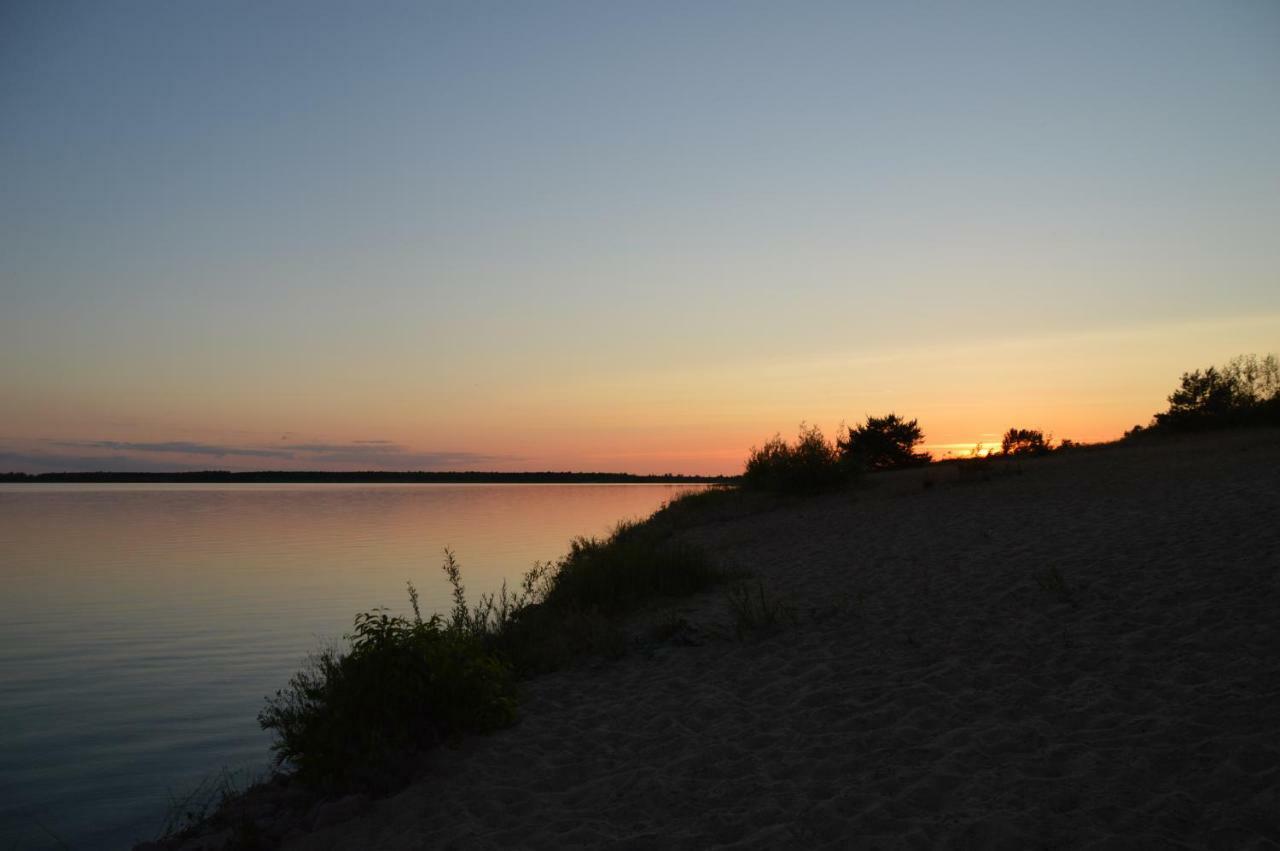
(141, 626)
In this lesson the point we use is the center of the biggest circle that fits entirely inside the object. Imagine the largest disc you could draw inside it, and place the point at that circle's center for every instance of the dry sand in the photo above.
(931, 692)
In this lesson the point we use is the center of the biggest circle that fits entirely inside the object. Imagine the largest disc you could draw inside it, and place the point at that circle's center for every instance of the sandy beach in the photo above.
(1076, 651)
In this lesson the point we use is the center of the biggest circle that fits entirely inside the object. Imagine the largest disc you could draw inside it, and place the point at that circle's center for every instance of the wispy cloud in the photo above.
(372, 447)
(404, 460)
(181, 455)
(46, 462)
(182, 447)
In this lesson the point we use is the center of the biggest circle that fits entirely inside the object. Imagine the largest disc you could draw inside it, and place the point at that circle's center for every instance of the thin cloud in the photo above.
(370, 446)
(180, 447)
(411, 460)
(41, 462)
(139, 456)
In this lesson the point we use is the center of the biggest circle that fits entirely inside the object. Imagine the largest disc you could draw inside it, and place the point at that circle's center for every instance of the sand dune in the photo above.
(938, 686)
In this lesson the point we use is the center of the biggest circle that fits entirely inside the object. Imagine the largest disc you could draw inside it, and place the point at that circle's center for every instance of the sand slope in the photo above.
(931, 693)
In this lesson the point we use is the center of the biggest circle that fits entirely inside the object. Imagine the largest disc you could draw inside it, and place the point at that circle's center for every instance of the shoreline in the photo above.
(1077, 650)
(361, 477)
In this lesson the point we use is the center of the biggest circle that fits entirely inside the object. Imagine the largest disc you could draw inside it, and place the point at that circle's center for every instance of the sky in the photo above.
(618, 236)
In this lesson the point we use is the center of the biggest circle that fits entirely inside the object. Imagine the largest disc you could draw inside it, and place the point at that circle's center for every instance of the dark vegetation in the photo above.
(813, 465)
(755, 611)
(810, 465)
(404, 684)
(883, 443)
(362, 477)
(1244, 392)
(1026, 441)
(358, 717)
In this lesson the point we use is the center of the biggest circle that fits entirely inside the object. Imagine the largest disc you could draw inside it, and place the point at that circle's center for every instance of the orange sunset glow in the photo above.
(647, 424)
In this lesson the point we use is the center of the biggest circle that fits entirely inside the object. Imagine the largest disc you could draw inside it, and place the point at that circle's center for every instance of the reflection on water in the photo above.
(142, 625)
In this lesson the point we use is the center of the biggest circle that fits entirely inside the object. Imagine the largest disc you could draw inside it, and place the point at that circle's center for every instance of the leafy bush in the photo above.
(615, 574)
(356, 717)
(810, 465)
(883, 443)
(1246, 391)
(1024, 441)
(580, 598)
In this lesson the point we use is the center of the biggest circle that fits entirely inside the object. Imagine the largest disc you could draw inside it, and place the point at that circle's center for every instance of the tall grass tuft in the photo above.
(358, 717)
(615, 574)
(754, 610)
(576, 603)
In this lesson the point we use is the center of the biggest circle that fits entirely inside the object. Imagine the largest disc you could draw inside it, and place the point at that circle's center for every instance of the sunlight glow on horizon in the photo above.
(619, 237)
(962, 396)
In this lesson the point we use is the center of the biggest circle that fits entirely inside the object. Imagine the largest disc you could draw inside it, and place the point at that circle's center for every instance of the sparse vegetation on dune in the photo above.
(357, 717)
(1244, 392)
(883, 443)
(810, 465)
(1025, 441)
(904, 615)
(813, 465)
(755, 611)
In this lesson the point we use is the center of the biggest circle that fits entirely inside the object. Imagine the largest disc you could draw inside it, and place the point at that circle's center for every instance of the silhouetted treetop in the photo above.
(883, 443)
(1245, 391)
(809, 465)
(1024, 441)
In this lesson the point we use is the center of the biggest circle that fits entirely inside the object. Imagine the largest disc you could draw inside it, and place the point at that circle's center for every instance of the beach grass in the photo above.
(357, 717)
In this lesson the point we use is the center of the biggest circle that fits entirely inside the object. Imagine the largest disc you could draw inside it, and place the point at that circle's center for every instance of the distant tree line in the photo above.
(362, 477)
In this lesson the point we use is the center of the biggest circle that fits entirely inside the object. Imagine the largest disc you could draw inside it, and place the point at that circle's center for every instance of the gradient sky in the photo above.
(622, 236)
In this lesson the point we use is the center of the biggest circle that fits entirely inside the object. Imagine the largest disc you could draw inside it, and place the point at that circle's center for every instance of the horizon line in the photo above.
(313, 474)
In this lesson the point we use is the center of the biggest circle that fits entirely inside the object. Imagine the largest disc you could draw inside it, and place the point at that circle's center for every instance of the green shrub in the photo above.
(356, 717)
(634, 564)
(883, 443)
(572, 607)
(810, 465)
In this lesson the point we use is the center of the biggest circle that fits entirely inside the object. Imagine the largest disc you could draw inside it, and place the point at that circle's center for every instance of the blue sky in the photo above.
(586, 234)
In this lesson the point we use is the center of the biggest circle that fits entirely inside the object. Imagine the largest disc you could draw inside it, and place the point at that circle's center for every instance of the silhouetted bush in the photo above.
(883, 443)
(631, 566)
(810, 465)
(579, 599)
(358, 717)
(1246, 391)
(1024, 441)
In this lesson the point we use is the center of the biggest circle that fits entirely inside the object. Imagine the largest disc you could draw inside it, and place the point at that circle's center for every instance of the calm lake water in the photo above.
(141, 626)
